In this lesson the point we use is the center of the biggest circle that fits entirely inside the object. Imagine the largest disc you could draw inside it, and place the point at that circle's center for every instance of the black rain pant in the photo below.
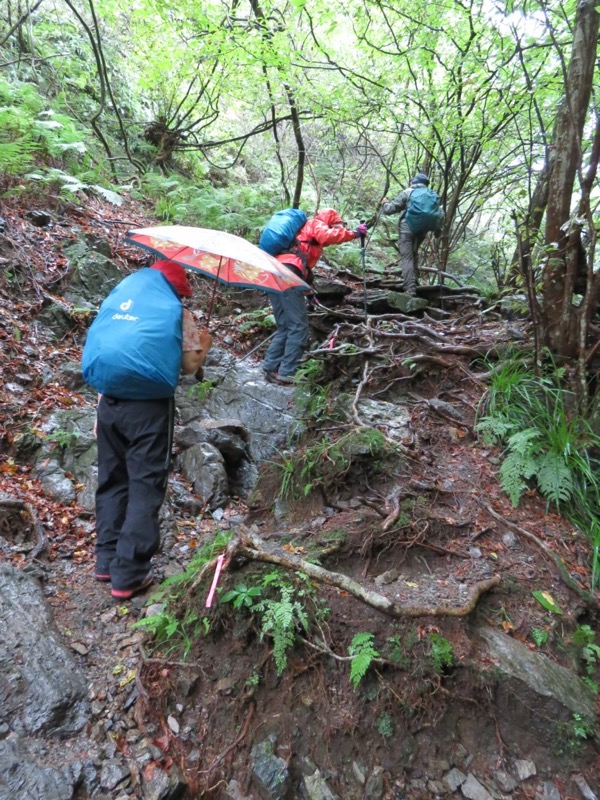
(134, 449)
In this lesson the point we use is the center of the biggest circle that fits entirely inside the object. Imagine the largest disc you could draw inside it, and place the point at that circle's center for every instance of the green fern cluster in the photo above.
(362, 652)
(31, 133)
(281, 607)
(528, 458)
(281, 617)
(441, 652)
(239, 209)
(545, 441)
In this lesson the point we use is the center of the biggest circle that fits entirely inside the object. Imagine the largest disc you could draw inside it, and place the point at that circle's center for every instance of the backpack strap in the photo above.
(405, 209)
(298, 250)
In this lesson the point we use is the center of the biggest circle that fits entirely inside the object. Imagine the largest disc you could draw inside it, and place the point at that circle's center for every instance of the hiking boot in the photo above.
(102, 572)
(275, 377)
(284, 380)
(138, 588)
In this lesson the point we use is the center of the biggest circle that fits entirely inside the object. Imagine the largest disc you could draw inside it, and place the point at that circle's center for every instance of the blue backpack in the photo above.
(281, 230)
(423, 212)
(133, 349)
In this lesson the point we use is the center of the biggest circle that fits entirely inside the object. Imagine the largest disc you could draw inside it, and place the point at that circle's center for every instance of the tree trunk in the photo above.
(560, 317)
(532, 223)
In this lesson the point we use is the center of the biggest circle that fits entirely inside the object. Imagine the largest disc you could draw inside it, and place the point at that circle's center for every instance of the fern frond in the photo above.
(279, 619)
(493, 429)
(525, 442)
(362, 652)
(555, 479)
(513, 470)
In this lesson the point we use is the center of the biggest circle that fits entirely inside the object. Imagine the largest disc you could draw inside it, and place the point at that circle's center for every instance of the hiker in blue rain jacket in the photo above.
(134, 448)
(408, 242)
(291, 317)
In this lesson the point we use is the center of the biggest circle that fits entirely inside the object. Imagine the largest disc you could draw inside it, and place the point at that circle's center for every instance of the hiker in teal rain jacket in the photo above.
(408, 241)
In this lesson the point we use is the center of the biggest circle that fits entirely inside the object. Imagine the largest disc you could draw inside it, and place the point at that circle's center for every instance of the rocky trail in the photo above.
(468, 686)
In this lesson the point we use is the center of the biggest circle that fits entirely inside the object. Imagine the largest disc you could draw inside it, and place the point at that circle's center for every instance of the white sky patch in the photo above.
(531, 26)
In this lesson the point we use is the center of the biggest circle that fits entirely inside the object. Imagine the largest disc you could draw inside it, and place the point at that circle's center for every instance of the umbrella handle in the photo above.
(214, 292)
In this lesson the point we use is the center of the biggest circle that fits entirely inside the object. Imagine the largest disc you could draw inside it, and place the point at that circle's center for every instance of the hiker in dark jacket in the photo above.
(134, 449)
(291, 317)
(408, 242)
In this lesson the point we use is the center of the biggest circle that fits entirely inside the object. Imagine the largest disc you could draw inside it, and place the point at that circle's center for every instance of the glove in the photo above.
(361, 230)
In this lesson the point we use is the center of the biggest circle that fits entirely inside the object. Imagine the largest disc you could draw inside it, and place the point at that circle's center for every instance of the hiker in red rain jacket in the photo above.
(290, 340)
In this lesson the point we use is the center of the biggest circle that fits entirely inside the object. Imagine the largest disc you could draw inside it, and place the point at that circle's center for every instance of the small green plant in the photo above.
(63, 438)
(259, 318)
(168, 628)
(441, 652)
(582, 728)
(585, 638)
(254, 680)
(180, 632)
(200, 391)
(385, 725)
(395, 651)
(571, 735)
(362, 652)
(242, 596)
(539, 636)
(288, 477)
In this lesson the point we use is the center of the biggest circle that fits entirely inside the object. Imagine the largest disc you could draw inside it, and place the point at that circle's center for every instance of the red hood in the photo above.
(176, 275)
(329, 216)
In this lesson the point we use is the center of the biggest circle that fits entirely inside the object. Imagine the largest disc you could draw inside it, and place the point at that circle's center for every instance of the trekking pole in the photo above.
(254, 349)
(214, 292)
(363, 246)
(374, 225)
(364, 269)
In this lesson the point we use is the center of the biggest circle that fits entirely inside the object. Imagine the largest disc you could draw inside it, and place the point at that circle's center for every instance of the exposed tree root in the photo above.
(566, 578)
(252, 546)
(39, 535)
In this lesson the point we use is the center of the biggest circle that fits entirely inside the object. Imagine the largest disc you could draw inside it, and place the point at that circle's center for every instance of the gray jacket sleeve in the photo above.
(398, 204)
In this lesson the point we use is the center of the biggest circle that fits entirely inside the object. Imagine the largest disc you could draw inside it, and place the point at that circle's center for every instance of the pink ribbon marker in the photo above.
(213, 588)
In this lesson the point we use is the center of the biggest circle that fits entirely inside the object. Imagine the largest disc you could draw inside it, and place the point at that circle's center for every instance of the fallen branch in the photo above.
(252, 546)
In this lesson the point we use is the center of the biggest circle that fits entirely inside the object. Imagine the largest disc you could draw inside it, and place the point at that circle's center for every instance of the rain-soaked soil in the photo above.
(429, 530)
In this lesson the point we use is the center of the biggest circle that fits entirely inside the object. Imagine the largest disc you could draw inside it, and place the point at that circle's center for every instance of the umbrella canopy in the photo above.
(227, 258)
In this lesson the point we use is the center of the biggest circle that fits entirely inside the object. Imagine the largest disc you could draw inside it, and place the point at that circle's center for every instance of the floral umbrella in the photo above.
(227, 258)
